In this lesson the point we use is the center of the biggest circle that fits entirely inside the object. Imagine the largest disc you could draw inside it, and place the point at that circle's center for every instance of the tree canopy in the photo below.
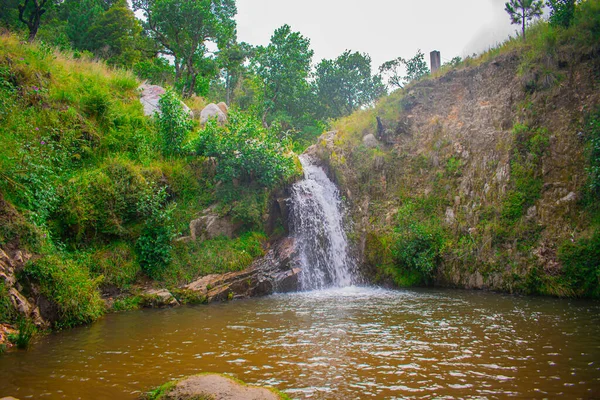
(521, 11)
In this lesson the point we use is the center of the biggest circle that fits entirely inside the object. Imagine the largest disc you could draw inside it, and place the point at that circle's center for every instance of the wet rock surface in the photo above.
(216, 387)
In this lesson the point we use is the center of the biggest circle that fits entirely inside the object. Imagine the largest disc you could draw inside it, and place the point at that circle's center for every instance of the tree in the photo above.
(345, 84)
(561, 12)
(415, 68)
(284, 67)
(183, 28)
(116, 36)
(521, 11)
(30, 13)
(231, 59)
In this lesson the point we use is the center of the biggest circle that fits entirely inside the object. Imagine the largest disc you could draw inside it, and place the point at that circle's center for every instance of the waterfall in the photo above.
(317, 225)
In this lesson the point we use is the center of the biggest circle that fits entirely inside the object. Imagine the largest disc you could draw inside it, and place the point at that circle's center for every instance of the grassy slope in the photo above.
(78, 158)
(471, 150)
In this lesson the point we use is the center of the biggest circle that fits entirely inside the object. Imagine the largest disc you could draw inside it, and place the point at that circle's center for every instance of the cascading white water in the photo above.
(317, 226)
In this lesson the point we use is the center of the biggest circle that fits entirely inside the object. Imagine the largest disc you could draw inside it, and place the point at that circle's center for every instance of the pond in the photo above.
(348, 343)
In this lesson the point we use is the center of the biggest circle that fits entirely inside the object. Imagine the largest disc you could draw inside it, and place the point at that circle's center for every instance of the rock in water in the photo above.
(214, 386)
(213, 111)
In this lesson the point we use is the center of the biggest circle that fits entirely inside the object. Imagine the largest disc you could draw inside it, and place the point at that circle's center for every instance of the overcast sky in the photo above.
(385, 29)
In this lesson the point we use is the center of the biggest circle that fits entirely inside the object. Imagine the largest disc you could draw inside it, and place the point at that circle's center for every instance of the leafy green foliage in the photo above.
(562, 12)
(173, 123)
(246, 152)
(68, 287)
(154, 244)
(116, 263)
(581, 265)
(346, 84)
(284, 66)
(419, 241)
(182, 29)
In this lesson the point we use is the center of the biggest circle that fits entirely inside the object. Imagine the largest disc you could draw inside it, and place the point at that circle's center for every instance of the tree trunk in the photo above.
(523, 19)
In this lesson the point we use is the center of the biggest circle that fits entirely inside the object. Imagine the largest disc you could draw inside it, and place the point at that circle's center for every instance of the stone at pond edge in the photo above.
(159, 298)
(213, 386)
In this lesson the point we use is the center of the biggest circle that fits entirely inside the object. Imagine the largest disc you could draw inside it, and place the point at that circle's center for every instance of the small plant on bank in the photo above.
(26, 332)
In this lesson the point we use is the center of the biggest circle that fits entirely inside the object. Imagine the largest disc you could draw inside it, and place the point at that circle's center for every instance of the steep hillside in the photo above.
(94, 194)
(482, 176)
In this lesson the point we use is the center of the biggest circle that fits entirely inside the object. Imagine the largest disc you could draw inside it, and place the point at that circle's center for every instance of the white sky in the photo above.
(385, 29)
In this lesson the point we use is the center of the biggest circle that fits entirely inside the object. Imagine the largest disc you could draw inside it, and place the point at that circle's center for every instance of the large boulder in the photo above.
(278, 271)
(213, 111)
(149, 97)
(211, 225)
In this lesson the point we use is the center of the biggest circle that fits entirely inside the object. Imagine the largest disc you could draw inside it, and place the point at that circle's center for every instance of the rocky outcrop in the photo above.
(277, 271)
(214, 111)
(149, 97)
(213, 386)
(211, 225)
(23, 306)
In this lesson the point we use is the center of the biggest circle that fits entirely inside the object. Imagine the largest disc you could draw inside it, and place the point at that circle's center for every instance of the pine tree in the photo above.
(521, 11)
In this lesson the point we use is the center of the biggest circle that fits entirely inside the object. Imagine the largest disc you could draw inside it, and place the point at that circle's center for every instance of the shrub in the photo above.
(581, 265)
(67, 285)
(246, 152)
(26, 331)
(593, 137)
(154, 244)
(173, 123)
(419, 240)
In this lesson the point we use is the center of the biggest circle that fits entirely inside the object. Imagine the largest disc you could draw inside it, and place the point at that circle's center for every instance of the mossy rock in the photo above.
(211, 386)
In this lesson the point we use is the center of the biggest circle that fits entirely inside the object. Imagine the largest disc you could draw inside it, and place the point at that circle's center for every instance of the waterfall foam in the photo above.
(317, 225)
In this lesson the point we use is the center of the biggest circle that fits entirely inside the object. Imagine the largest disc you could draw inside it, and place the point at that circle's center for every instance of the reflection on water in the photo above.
(337, 344)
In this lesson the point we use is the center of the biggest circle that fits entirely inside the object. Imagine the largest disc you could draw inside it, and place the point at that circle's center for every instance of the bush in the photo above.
(154, 244)
(246, 152)
(66, 284)
(26, 332)
(173, 123)
(419, 241)
(581, 265)
(593, 136)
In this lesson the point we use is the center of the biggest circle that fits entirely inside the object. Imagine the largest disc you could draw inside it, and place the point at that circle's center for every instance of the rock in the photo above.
(211, 225)
(216, 387)
(223, 107)
(370, 141)
(158, 298)
(213, 111)
(151, 94)
(277, 271)
(571, 197)
(531, 212)
(450, 218)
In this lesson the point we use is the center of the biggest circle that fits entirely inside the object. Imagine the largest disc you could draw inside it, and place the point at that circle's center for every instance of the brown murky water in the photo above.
(352, 343)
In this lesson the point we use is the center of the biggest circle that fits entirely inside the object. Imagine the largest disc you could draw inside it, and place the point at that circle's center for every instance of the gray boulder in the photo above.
(149, 97)
(213, 111)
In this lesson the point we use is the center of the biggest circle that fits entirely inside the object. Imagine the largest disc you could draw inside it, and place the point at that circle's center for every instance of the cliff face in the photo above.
(474, 179)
